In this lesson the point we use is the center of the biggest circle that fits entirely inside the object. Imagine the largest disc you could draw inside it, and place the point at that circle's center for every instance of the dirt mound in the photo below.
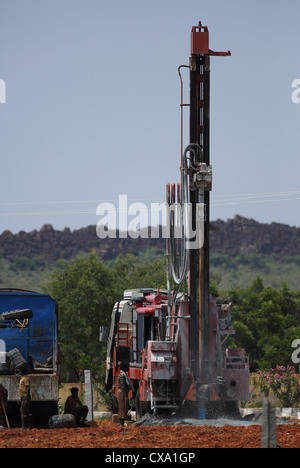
(105, 434)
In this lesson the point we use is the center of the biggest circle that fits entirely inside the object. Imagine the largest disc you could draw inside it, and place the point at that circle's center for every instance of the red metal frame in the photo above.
(200, 42)
(123, 341)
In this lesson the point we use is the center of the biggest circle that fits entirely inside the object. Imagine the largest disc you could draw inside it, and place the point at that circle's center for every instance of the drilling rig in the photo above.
(175, 340)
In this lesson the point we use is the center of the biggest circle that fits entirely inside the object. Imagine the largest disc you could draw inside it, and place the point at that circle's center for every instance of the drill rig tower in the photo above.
(174, 340)
(210, 323)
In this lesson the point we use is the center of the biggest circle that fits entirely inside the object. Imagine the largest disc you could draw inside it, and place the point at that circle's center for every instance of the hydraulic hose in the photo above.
(177, 243)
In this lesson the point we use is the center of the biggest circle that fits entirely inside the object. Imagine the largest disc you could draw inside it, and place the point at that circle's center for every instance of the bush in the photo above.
(283, 381)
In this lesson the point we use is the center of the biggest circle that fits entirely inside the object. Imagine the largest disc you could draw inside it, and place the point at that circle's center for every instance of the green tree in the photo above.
(84, 290)
(131, 272)
(266, 321)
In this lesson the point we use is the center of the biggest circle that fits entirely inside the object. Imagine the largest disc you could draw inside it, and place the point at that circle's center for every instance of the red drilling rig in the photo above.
(175, 340)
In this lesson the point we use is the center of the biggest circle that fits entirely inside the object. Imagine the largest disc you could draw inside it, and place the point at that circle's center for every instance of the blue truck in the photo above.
(31, 342)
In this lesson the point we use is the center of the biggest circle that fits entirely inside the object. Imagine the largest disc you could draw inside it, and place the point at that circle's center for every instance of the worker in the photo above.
(3, 404)
(124, 387)
(24, 391)
(74, 406)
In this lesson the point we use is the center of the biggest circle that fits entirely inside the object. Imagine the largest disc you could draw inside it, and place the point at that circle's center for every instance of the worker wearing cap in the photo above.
(24, 391)
(124, 387)
(74, 406)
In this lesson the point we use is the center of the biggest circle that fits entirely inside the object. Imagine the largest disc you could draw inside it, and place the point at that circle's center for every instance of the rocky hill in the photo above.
(227, 237)
(243, 234)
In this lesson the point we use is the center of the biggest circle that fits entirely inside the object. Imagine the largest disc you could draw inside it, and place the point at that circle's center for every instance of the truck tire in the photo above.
(17, 360)
(16, 314)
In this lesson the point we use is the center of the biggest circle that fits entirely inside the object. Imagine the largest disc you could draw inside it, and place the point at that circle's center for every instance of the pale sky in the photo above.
(92, 107)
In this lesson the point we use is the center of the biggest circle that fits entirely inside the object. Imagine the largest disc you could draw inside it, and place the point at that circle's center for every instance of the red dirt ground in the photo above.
(105, 434)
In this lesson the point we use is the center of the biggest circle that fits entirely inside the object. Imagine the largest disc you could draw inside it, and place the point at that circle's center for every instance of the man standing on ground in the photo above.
(124, 387)
(24, 390)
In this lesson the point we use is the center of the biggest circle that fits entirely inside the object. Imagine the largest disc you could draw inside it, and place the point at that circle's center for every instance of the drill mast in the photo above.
(197, 175)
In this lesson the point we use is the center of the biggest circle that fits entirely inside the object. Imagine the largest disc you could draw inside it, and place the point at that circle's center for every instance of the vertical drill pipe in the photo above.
(199, 259)
(201, 140)
(206, 273)
(193, 253)
(168, 201)
(181, 118)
